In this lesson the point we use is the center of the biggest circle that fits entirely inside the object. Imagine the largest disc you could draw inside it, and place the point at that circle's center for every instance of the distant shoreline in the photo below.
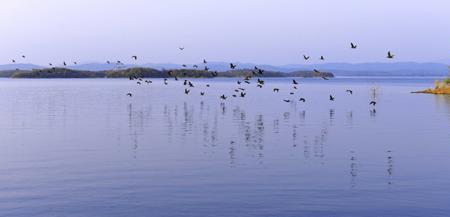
(154, 73)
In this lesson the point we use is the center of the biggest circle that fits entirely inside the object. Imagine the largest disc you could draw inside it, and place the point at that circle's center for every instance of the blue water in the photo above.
(81, 147)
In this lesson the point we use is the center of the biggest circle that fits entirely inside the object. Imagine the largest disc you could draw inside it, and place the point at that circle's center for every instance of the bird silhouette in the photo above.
(186, 91)
(165, 81)
(181, 48)
(108, 62)
(206, 68)
(232, 66)
(294, 82)
(75, 63)
(134, 57)
(202, 93)
(204, 61)
(207, 85)
(276, 90)
(349, 91)
(195, 66)
(331, 98)
(390, 55)
(23, 56)
(305, 57)
(129, 94)
(286, 100)
(322, 58)
(223, 97)
(243, 94)
(353, 46)
(372, 103)
(302, 100)
(324, 78)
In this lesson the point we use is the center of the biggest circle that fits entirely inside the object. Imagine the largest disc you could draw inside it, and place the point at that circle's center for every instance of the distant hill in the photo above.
(139, 72)
(7, 67)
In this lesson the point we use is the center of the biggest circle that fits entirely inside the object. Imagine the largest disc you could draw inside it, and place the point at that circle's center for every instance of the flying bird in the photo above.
(372, 103)
(134, 57)
(181, 48)
(302, 100)
(202, 93)
(331, 98)
(223, 97)
(204, 61)
(286, 100)
(232, 66)
(322, 58)
(390, 55)
(129, 94)
(349, 91)
(294, 82)
(305, 57)
(353, 46)
(276, 90)
(23, 56)
(186, 91)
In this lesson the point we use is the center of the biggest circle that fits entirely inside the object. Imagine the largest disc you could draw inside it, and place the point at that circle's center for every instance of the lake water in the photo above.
(81, 147)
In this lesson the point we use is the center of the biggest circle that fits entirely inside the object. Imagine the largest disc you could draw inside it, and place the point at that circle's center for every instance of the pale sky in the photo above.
(256, 31)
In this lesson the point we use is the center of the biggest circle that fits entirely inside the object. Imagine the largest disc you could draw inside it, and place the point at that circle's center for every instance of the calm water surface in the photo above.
(81, 147)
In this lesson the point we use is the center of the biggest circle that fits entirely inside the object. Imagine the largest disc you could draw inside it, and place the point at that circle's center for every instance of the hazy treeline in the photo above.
(151, 73)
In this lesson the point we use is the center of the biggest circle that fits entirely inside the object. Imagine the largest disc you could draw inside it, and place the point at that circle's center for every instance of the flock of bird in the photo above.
(240, 91)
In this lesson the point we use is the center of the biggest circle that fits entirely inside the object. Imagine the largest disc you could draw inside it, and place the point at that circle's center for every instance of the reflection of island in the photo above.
(152, 73)
(439, 88)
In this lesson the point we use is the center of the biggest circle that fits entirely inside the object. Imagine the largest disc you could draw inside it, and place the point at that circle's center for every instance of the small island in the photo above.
(155, 73)
(439, 88)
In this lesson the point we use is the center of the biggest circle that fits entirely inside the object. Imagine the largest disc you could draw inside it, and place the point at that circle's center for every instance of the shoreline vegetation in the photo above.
(439, 88)
(153, 73)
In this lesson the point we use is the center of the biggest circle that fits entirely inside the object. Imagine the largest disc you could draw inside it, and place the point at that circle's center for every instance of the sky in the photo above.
(274, 32)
